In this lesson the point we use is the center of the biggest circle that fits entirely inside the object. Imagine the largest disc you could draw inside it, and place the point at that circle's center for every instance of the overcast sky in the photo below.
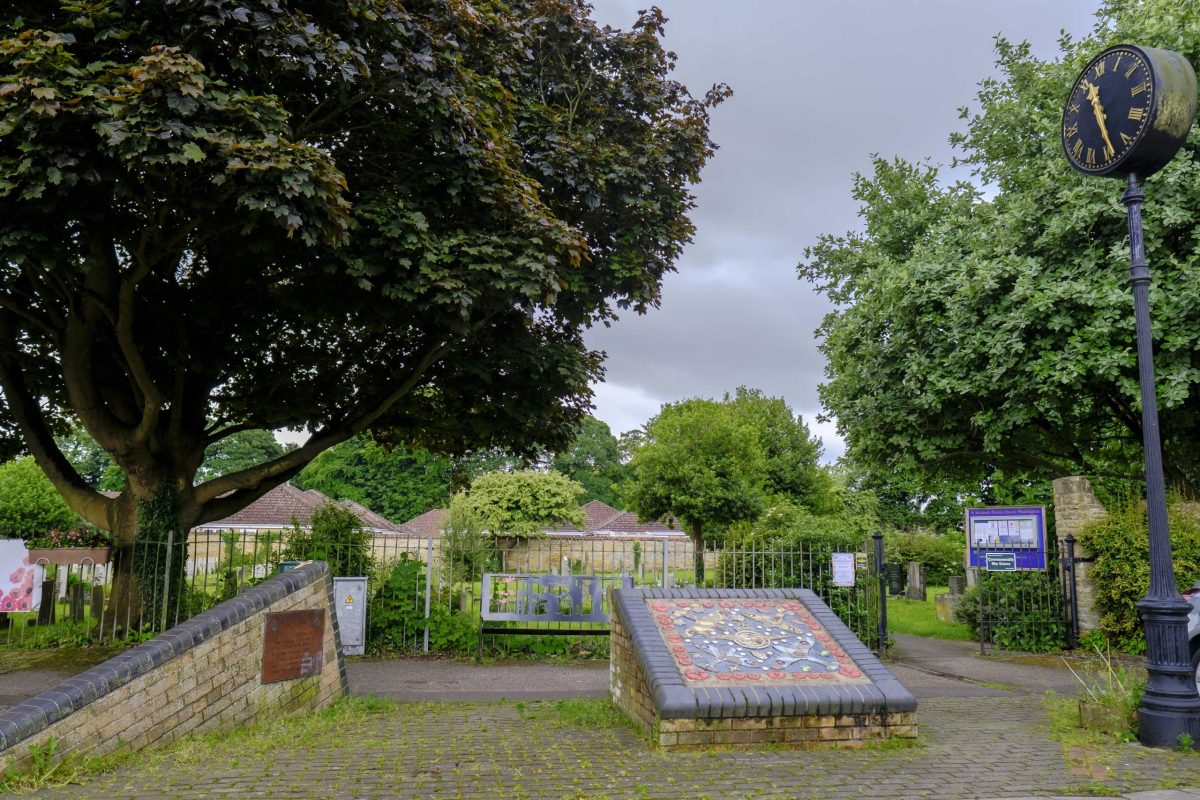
(818, 88)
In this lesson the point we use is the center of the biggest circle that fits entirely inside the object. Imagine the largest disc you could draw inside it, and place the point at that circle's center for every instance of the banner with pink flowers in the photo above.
(19, 580)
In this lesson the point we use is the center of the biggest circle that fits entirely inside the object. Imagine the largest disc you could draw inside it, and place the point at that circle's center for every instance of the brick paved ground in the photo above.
(996, 746)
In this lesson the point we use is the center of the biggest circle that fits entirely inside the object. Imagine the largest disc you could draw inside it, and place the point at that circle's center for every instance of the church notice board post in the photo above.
(1019, 531)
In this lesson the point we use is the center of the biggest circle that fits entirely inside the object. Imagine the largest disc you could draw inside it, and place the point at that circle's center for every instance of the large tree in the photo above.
(217, 217)
(397, 482)
(982, 330)
(596, 460)
(702, 463)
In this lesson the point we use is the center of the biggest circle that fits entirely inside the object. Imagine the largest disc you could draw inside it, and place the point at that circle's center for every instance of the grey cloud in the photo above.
(818, 87)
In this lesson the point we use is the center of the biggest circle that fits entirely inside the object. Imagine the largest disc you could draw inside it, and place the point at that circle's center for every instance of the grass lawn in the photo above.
(920, 618)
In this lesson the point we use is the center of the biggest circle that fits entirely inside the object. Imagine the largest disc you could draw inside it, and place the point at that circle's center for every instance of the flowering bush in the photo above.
(76, 537)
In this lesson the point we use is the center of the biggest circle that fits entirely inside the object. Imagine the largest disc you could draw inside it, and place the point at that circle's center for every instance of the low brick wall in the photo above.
(201, 676)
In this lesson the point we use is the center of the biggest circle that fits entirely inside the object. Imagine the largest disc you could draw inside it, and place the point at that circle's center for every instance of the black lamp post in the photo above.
(1127, 115)
(1170, 706)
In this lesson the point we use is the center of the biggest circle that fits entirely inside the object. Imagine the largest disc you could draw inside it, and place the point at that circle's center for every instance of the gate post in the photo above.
(882, 575)
(1072, 596)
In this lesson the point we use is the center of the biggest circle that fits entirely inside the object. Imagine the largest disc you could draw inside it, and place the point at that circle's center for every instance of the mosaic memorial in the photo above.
(745, 667)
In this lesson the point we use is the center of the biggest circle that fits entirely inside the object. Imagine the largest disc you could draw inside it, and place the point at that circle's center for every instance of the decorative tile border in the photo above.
(675, 696)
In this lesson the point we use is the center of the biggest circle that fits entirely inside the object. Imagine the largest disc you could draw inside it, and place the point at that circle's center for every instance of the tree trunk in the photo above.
(149, 564)
(698, 554)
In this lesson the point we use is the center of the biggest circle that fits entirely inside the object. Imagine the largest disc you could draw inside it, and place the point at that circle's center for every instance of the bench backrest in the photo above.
(547, 598)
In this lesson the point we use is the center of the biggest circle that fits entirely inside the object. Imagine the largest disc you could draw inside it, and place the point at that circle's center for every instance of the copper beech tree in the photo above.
(339, 217)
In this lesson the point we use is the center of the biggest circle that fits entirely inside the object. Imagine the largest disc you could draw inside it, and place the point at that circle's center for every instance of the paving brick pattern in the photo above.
(971, 747)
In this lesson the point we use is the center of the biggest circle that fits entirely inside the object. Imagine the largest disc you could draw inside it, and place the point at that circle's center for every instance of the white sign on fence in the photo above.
(843, 569)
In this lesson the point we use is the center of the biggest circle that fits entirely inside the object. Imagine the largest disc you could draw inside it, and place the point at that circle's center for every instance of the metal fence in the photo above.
(423, 593)
(1027, 611)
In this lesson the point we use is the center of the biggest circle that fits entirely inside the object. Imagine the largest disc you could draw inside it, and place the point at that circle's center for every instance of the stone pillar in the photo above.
(1075, 507)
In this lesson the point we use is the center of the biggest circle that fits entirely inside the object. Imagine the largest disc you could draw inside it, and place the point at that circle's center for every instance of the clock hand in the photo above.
(1094, 96)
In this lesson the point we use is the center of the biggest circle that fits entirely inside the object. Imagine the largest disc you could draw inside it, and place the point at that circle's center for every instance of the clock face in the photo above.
(1108, 111)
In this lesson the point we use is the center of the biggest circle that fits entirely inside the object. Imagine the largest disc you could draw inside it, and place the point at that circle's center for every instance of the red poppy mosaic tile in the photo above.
(725, 642)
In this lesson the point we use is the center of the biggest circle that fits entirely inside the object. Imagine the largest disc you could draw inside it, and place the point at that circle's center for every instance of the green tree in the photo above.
(399, 483)
(595, 460)
(240, 451)
(336, 216)
(29, 504)
(975, 331)
(335, 535)
(522, 503)
(791, 451)
(703, 463)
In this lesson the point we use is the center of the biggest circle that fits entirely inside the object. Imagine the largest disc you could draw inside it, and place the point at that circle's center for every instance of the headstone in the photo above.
(945, 605)
(97, 603)
(46, 609)
(75, 595)
(916, 581)
(958, 584)
(896, 578)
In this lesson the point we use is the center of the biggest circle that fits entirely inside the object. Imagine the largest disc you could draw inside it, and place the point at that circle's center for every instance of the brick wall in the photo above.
(198, 677)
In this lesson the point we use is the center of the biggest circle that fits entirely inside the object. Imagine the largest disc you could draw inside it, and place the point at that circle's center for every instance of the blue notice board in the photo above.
(1019, 530)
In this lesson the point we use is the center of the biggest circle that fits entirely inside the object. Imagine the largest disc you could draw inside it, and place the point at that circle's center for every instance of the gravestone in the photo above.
(916, 581)
(742, 667)
(958, 584)
(896, 578)
(75, 595)
(97, 603)
(45, 615)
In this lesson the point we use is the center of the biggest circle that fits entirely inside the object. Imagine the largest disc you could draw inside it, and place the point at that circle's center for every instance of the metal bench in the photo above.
(560, 604)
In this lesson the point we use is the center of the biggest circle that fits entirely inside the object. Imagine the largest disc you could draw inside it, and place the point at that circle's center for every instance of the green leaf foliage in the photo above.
(1022, 611)
(1120, 570)
(335, 536)
(699, 462)
(398, 482)
(995, 328)
(239, 451)
(520, 503)
(594, 459)
(713, 463)
(940, 553)
(29, 503)
(339, 217)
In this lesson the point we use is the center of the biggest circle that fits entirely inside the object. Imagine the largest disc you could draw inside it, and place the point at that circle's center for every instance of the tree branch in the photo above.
(290, 463)
(83, 500)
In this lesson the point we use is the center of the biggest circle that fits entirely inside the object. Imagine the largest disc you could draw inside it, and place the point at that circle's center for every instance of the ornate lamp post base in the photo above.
(1170, 708)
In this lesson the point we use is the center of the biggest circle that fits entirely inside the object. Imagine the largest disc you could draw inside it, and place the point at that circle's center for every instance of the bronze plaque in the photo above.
(293, 646)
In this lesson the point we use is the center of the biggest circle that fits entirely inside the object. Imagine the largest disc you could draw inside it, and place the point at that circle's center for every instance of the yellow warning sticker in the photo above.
(350, 599)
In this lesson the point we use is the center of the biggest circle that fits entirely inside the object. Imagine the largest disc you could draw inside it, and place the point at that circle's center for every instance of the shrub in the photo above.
(335, 536)
(469, 551)
(1022, 610)
(940, 553)
(1120, 546)
(29, 503)
(397, 608)
(397, 614)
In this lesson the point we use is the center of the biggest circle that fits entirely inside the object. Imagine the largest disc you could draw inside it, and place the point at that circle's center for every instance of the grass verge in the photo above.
(919, 618)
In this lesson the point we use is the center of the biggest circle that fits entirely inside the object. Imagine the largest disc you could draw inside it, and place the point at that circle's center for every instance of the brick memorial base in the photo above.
(749, 667)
